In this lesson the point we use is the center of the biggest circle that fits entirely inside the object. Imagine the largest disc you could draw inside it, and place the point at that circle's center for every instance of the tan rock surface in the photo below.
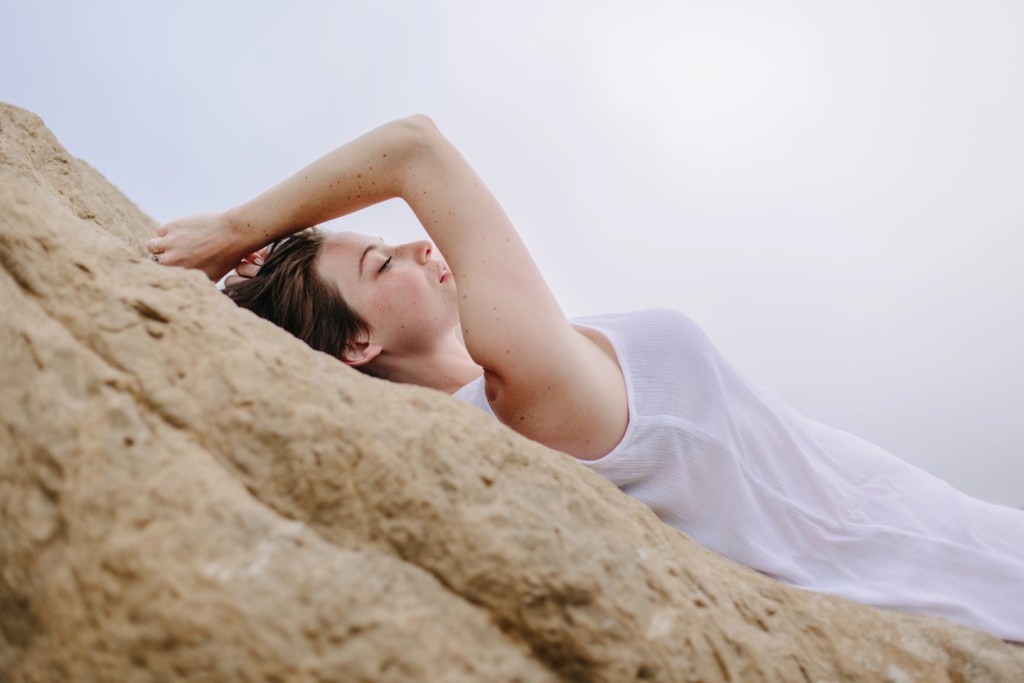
(186, 492)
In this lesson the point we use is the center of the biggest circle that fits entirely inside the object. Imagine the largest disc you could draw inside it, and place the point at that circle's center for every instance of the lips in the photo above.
(444, 273)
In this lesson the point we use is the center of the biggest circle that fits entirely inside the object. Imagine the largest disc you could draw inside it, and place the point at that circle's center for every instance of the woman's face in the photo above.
(405, 293)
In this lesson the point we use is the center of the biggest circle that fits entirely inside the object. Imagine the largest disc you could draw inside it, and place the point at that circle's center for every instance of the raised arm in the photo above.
(370, 169)
(544, 378)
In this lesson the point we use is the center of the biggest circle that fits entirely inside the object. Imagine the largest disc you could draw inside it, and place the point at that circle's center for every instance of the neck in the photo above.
(445, 366)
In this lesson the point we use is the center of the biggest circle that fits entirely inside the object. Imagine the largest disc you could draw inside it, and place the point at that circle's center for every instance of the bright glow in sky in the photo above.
(835, 192)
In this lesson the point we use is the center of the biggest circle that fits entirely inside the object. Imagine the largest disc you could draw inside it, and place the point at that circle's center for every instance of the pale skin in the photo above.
(437, 323)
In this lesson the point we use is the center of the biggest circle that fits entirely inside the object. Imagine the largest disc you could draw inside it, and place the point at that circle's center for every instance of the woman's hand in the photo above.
(205, 241)
(247, 267)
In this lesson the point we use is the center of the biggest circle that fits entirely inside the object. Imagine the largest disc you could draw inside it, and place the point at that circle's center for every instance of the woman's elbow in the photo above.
(413, 132)
(422, 124)
(416, 140)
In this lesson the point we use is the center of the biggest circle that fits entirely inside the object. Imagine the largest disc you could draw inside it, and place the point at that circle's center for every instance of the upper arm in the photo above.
(544, 378)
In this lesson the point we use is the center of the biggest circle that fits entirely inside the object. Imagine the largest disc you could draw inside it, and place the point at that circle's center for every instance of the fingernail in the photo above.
(258, 261)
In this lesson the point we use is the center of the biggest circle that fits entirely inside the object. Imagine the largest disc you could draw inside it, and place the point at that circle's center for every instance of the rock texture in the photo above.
(188, 493)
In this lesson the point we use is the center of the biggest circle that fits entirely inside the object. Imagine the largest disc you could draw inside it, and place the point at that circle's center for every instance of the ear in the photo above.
(360, 352)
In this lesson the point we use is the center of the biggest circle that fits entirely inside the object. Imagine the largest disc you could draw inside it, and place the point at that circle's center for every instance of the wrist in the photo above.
(241, 231)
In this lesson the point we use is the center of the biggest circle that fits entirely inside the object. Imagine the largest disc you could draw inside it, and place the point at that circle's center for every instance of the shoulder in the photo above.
(577, 406)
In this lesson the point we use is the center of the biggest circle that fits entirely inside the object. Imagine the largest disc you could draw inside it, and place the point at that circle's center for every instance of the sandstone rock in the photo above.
(187, 492)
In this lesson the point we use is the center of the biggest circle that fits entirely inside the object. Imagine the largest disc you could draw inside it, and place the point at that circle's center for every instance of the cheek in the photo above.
(401, 295)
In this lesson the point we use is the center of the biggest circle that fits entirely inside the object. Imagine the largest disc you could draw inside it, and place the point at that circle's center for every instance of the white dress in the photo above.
(731, 464)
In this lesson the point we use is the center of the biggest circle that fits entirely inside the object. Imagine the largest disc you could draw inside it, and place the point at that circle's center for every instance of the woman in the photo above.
(643, 398)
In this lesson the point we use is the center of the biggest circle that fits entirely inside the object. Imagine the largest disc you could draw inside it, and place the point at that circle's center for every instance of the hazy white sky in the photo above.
(834, 191)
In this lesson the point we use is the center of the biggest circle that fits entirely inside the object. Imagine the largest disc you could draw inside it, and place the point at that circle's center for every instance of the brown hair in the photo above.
(289, 292)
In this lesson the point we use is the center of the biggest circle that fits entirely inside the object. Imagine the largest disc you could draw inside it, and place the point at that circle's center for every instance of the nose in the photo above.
(421, 251)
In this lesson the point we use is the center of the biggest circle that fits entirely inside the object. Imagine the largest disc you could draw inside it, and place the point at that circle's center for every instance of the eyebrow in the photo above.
(363, 257)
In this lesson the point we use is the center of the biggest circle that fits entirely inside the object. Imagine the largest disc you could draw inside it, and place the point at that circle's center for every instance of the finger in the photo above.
(231, 280)
(247, 269)
(256, 257)
(154, 246)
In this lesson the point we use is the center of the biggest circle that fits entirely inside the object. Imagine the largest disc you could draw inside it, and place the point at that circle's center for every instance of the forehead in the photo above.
(340, 253)
(345, 246)
(344, 242)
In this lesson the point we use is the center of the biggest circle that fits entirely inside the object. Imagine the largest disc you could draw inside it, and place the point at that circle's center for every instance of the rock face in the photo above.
(187, 492)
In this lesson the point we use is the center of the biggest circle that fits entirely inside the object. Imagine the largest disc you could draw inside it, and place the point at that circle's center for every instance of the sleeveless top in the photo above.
(732, 465)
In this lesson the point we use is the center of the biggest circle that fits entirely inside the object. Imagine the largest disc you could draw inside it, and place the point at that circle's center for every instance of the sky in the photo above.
(833, 191)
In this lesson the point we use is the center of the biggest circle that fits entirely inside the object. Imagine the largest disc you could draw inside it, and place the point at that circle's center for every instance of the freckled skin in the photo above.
(405, 305)
(420, 324)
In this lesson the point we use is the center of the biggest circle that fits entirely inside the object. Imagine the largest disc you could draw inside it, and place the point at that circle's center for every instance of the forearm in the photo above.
(368, 170)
